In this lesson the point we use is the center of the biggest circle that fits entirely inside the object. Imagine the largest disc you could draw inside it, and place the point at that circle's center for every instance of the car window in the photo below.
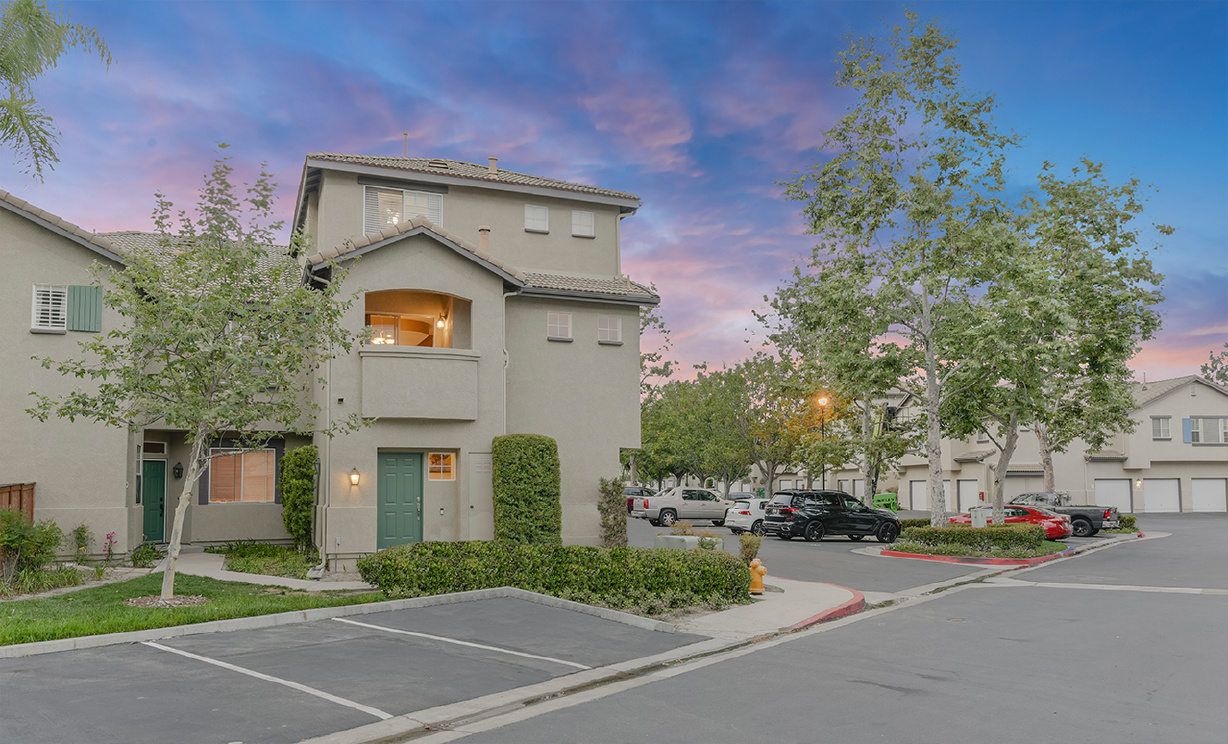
(823, 499)
(741, 505)
(762, 504)
(782, 498)
(851, 503)
(690, 495)
(798, 502)
(1016, 512)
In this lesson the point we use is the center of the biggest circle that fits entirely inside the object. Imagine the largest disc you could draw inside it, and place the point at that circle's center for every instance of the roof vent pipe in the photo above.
(494, 166)
(484, 239)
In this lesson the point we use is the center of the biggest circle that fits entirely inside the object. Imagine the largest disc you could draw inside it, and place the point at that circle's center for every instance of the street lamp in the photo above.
(823, 401)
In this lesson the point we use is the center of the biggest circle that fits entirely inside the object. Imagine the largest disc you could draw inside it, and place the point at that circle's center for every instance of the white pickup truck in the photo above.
(682, 502)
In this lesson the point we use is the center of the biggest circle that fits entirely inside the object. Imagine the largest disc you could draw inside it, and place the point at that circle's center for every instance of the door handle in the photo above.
(419, 506)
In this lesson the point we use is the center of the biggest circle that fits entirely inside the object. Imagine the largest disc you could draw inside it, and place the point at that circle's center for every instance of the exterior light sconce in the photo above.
(177, 471)
(439, 323)
(354, 477)
(1138, 483)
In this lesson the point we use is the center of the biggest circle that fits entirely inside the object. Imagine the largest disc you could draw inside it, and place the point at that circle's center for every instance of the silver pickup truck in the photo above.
(1086, 520)
(682, 502)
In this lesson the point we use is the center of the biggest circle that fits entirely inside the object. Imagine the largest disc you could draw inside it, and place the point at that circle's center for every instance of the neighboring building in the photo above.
(497, 305)
(1176, 460)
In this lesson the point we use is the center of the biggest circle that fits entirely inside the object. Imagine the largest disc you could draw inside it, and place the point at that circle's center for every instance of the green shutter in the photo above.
(84, 309)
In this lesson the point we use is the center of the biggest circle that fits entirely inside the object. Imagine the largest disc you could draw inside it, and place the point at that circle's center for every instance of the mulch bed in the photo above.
(185, 600)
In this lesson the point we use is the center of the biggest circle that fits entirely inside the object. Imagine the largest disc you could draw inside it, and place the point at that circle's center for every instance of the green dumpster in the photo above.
(886, 501)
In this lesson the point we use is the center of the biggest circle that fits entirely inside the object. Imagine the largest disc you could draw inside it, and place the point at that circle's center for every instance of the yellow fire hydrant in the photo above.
(757, 572)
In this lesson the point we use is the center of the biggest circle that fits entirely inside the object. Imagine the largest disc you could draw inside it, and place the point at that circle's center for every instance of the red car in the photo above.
(1056, 525)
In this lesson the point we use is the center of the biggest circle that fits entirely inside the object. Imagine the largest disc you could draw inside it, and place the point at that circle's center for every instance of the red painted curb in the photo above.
(851, 607)
(977, 561)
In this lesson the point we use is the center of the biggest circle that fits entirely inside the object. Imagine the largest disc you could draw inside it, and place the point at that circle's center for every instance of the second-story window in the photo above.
(536, 219)
(57, 308)
(582, 224)
(1207, 430)
(609, 329)
(1160, 427)
(558, 326)
(383, 208)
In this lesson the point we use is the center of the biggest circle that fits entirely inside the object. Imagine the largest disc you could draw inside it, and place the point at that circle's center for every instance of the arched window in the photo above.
(404, 317)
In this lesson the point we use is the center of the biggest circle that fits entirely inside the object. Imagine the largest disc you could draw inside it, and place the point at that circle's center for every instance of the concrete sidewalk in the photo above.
(196, 562)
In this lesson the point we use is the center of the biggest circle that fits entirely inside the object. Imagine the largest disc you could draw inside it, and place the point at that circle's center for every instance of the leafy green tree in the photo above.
(220, 335)
(1216, 368)
(32, 40)
(773, 411)
(909, 218)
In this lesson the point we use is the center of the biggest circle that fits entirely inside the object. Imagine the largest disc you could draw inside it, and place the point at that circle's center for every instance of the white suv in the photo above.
(683, 502)
(746, 515)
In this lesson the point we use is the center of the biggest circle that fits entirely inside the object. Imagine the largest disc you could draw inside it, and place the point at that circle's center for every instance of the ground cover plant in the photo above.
(992, 541)
(266, 558)
(643, 580)
(100, 609)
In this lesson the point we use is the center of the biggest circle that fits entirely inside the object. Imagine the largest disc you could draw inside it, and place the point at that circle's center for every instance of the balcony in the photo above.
(419, 382)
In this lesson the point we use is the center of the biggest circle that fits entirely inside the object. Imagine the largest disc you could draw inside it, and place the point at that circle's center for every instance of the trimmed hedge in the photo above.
(990, 538)
(612, 508)
(906, 523)
(645, 579)
(1128, 521)
(528, 500)
(298, 496)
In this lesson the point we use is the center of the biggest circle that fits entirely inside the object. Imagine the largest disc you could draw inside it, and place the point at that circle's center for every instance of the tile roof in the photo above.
(1144, 393)
(974, 455)
(93, 240)
(1106, 456)
(621, 285)
(130, 240)
(473, 171)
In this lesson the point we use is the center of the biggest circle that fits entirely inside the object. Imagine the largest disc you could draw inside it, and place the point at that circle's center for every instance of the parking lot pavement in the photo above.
(290, 682)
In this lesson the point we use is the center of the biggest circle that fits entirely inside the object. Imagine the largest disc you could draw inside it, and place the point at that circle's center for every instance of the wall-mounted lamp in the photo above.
(1138, 483)
(177, 470)
(439, 323)
(354, 477)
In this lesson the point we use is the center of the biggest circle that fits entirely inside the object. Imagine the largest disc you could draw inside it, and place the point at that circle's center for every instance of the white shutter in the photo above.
(582, 224)
(536, 219)
(49, 309)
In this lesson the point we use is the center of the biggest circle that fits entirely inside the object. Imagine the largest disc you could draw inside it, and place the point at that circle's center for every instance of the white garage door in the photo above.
(1209, 494)
(1161, 495)
(916, 496)
(859, 488)
(1017, 484)
(1114, 492)
(969, 494)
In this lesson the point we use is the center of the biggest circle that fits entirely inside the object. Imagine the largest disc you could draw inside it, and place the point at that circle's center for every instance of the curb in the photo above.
(851, 607)
(1012, 562)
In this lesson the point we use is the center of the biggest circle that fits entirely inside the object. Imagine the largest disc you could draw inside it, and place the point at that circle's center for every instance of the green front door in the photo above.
(153, 497)
(400, 498)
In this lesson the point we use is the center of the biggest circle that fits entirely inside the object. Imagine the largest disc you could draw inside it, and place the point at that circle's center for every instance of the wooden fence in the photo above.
(18, 496)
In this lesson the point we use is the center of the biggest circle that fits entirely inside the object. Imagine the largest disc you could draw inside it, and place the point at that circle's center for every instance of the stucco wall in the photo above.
(81, 468)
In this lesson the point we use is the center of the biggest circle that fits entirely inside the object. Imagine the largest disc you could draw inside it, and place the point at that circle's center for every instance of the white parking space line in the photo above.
(293, 685)
(462, 643)
(1107, 587)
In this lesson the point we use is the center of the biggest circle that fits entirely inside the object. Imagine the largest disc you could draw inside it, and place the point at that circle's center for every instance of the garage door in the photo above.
(1114, 492)
(969, 494)
(859, 488)
(918, 494)
(1161, 495)
(1017, 484)
(1209, 494)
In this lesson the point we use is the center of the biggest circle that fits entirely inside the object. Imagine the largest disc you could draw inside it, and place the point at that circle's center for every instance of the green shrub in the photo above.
(528, 505)
(25, 545)
(146, 555)
(612, 507)
(298, 493)
(906, 523)
(1128, 521)
(644, 579)
(37, 580)
(994, 537)
(749, 546)
(82, 538)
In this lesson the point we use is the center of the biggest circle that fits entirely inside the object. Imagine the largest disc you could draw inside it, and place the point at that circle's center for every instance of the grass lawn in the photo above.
(101, 609)
(270, 560)
(1048, 547)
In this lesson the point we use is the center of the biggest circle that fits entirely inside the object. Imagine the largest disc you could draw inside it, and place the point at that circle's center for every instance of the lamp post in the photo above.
(822, 401)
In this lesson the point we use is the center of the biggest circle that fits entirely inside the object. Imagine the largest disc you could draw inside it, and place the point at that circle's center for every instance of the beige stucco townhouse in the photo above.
(1176, 460)
(497, 305)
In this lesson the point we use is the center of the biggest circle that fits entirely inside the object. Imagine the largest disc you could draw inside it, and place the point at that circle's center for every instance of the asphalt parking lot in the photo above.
(291, 682)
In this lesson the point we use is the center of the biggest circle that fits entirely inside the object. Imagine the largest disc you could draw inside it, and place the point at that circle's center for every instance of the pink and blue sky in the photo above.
(700, 108)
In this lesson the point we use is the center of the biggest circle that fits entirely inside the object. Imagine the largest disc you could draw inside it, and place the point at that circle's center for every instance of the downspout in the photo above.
(324, 466)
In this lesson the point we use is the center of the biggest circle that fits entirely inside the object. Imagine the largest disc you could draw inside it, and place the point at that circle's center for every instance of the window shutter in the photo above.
(1187, 427)
(84, 309)
(50, 307)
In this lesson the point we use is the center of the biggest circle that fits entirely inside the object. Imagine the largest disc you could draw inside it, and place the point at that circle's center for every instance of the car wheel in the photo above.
(1082, 527)
(888, 532)
(814, 531)
(655, 522)
(735, 530)
(718, 523)
(1093, 532)
(668, 517)
(757, 528)
(855, 538)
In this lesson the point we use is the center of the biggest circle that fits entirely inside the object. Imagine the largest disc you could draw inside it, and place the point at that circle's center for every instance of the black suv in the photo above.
(813, 514)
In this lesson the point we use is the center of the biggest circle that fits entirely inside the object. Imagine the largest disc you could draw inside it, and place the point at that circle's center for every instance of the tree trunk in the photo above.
(1046, 455)
(869, 471)
(1009, 441)
(933, 420)
(635, 476)
(196, 466)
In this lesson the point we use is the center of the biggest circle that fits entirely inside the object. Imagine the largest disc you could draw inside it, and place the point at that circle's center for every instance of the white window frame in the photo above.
(49, 308)
(433, 213)
(445, 470)
(536, 218)
(609, 329)
(583, 224)
(1196, 429)
(558, 326)
(1161, 428)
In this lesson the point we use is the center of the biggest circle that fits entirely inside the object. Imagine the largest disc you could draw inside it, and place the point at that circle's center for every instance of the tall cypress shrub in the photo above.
(298, 493)
(528, 503)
